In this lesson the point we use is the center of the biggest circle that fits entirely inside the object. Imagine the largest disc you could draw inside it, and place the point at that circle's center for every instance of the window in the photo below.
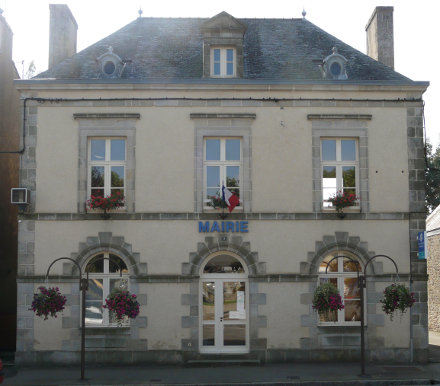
(106, 173)
(339, 160)
(342, 273)
(104, 276)
(222, 165)
(223, 62)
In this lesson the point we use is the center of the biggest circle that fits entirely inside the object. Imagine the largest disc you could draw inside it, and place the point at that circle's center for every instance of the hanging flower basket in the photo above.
(49, 301)
(122, 304)
(327, 299)
(396, 297)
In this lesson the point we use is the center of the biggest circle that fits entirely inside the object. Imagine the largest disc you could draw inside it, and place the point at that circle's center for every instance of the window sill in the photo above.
(339, 324)
(109, 327)
(354, 209)
(122, 209)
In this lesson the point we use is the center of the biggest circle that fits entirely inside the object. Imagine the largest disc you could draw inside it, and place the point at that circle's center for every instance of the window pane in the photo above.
(212, 149)
(208, 335)
(232, 150)
(208, 301)
(117, 152)
(213, 176)
(121, 283)
(97, 179)
(94, 301)
(96, 265)
(348, 150)
(223, 264)
(333, 267)
(234, 335)
(351, 289)
(113, 267)
(117, 176)
(232, 176)
(352, 310)
(229, 55)
(328, 183)
(349, 176)
(328, 150)
(234, 301)
(331, 316)
(97, 192)
(351, 266)
(217, 55)
(212, 192)
(97, 152)
(229, 68)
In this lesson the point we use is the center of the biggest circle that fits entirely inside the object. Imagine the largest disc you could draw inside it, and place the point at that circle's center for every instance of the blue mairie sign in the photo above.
(421, 242)
(223, 226)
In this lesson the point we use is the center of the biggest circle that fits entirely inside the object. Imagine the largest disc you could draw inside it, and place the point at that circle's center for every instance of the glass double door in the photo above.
(224, 316)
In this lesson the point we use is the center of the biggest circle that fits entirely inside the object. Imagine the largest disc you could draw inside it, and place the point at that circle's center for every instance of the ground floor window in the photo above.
(104, 272)
(342, 273)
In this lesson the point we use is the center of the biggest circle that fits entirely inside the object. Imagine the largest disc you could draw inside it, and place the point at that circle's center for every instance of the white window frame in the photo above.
(223, 62)
(340, 275)
(223, 164)
(105, 276)
(339, 164)
(107, 164)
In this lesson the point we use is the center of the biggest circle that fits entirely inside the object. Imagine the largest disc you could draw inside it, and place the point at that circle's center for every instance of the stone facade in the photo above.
(163, 234)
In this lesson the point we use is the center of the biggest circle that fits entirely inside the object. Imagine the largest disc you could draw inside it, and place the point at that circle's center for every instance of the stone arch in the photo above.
(343, 242)
(229, 243)
(106, 241)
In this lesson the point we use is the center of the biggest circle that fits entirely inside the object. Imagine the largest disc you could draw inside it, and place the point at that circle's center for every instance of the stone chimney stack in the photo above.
(380, 37)
(62, 35)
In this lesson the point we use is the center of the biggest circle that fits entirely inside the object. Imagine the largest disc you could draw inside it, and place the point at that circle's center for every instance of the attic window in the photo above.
(109, 67)
(223, 62)
(111, 64)
(333, 66)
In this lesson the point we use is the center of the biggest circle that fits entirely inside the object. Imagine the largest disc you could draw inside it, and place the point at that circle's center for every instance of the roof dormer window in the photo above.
(223, 62)
(333, 66)
(111, 64)
(223, 46)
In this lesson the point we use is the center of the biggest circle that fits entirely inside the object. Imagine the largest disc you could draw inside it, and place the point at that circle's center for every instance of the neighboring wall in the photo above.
(9, 163)
(433, 234)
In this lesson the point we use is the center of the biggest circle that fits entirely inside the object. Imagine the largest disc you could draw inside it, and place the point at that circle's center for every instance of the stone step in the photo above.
(223, 362)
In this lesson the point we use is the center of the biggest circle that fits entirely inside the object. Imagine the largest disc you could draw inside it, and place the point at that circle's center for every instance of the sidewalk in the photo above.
(286, 374)
(328, 374)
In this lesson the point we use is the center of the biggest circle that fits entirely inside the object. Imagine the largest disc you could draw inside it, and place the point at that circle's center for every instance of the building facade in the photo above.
(166, 112)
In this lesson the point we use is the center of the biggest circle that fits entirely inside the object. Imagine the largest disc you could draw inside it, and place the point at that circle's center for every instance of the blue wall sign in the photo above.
(421, 242)
(224, 226)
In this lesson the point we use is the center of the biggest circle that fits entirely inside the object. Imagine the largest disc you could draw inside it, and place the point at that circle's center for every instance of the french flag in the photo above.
(230, 198)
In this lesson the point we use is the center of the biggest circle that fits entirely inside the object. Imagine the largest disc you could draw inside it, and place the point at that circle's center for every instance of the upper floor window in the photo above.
(342, 273)
(106, 272)
(222, 166)
(340, 167)
(106, 169)
(223, 62)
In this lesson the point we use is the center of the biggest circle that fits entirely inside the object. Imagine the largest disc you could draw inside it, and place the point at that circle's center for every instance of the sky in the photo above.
(415, 32)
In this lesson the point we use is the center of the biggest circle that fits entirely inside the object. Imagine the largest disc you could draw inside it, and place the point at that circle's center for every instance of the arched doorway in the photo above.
(224, 300)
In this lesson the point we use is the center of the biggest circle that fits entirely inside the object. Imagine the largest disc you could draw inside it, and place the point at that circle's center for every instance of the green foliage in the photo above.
(326, 298)
(432, 175)
(396, 297)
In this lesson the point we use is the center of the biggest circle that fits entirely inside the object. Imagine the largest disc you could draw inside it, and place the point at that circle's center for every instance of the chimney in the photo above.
(380, 38)
(62, 35)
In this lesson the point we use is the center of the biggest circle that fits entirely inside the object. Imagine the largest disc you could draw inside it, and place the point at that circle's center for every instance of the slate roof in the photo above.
(170, 49)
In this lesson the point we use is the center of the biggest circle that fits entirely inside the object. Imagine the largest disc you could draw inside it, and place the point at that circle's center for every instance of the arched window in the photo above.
(342, 273)
(104, 276)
